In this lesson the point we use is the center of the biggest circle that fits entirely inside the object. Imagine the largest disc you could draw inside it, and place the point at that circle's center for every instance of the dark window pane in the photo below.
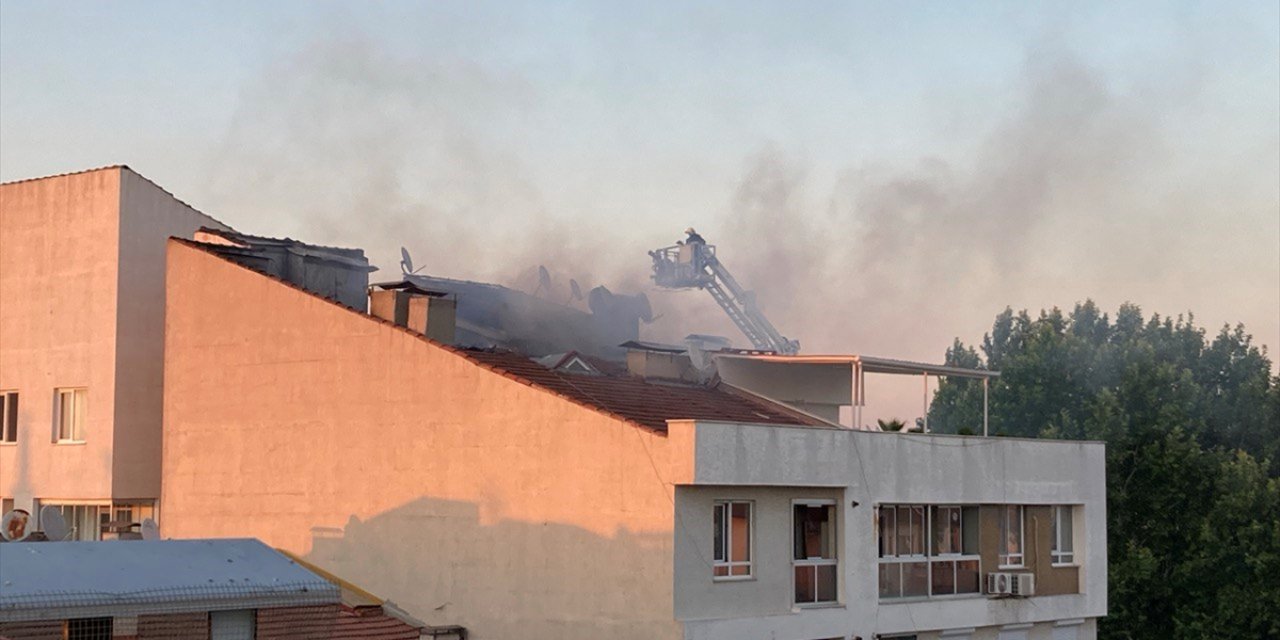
(719, 553)
(805, 588)
(915, 579)
(89, 629)
(967, 576)
(814, 532)
(969, 535)
(944, 582)
(890, 580)
(904, 531)
(740, 534)
(827, 583)
(887, 531)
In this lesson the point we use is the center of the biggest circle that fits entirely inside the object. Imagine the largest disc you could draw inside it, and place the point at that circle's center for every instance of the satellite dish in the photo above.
(575, 291)
(55, 527)
(13, 526)
(643, 309)
(599, 299)
(150, 530)
(544, 280)
(406, 263)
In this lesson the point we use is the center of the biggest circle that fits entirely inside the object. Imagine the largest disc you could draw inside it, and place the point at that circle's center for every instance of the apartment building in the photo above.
(81, 345)
(554, 498)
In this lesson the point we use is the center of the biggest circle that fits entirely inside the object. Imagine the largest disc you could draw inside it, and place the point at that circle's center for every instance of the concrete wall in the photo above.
(884, 468)
(58, 285)
(148, 217)
(82, 304)
(770, 590)
(464, 496)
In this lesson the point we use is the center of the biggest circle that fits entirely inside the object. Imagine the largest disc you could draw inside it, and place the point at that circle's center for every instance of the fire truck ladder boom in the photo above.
(695, 265)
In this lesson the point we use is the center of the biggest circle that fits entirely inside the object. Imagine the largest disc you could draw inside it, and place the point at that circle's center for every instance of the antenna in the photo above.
(55, 527)
(13, 526)
(150, 530)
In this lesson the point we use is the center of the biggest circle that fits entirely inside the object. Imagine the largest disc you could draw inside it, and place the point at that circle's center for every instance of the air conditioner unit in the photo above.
(1024, 584)
(1011, 584)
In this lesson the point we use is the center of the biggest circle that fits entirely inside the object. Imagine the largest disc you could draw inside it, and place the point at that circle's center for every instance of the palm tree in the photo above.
(891, 425)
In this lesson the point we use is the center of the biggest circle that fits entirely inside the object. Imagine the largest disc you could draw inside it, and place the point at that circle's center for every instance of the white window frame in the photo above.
(727, 535)
(929, 558)
(80, 418)
(816, 562)
(1013, 560)
(9, 426)
(1057, 557)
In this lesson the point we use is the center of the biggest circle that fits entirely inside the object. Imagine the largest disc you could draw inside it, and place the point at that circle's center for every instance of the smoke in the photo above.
(1076, 191)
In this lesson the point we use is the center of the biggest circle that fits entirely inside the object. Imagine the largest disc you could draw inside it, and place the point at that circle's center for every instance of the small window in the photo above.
(69, 414)
(89, 629)
(8, 416)
(814, 553)
(1011, 536)
(732, 540)
(232, 625)
(1062, 550)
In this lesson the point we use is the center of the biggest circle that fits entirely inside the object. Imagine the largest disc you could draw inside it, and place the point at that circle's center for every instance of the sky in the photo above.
(886, 176)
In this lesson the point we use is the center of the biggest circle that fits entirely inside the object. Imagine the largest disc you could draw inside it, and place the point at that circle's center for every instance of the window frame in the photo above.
(727, 535)
(81, 423)
(817, 562)
(929, 558)
(9, 417)
(1058, 558)
(1005, 560)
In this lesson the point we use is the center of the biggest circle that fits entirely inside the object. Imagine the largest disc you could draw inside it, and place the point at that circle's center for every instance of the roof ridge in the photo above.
(121, 167)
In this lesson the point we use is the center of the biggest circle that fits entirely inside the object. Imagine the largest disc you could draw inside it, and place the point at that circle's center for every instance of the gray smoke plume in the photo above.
(1073, 193)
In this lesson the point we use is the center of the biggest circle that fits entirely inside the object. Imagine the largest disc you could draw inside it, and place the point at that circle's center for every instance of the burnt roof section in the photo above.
(624, 397)
(637, 400)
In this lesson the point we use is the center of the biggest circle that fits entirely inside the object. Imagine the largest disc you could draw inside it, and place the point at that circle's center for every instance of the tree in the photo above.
(1192, 428)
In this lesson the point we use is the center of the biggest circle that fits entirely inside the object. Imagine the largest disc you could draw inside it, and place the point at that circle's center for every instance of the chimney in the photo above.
(429, 313)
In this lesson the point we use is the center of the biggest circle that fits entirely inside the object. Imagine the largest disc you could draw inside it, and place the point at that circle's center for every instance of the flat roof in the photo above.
(51, 580)
(870, 364)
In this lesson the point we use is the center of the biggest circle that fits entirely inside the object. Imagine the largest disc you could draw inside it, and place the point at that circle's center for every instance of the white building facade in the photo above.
(814, 534)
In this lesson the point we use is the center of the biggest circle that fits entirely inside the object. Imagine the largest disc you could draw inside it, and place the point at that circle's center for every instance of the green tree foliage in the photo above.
(1192, 427)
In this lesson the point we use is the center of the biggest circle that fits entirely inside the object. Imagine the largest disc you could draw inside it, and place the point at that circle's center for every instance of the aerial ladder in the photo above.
(693, 264)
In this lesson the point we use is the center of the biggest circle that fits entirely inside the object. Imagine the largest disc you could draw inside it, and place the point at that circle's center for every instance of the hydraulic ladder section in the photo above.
(694, 265)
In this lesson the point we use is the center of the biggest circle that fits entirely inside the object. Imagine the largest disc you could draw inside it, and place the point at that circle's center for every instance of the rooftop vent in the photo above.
(431, 313)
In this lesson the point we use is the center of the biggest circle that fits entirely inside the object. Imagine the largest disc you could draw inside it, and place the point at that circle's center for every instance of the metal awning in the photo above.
(858, 366)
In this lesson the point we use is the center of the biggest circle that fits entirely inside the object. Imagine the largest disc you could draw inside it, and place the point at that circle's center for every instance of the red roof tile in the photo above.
(371, 623)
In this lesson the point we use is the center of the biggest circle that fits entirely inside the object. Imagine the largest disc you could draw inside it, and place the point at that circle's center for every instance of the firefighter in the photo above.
(693, 238)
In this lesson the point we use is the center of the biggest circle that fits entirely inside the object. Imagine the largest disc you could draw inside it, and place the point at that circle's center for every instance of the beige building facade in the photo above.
(81, 343)
(479, 488)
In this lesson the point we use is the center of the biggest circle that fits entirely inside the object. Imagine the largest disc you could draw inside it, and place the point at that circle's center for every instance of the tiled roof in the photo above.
(636, 400)
(371, 623)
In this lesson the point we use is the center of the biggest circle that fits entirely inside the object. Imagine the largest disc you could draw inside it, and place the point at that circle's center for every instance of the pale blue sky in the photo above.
(1123, 151)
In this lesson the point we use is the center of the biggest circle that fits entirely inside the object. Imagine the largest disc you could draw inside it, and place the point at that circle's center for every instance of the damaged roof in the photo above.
(649, 404)
(626, 397)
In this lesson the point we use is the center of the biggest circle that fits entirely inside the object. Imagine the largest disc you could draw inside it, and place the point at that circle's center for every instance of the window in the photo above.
(231, 625)
(1011, 536)
(732, 540)
(88, 629)
(84, 521)
(69, 414)
(8, 416)
(928, 550)
(1062, 550)
(814, 555)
